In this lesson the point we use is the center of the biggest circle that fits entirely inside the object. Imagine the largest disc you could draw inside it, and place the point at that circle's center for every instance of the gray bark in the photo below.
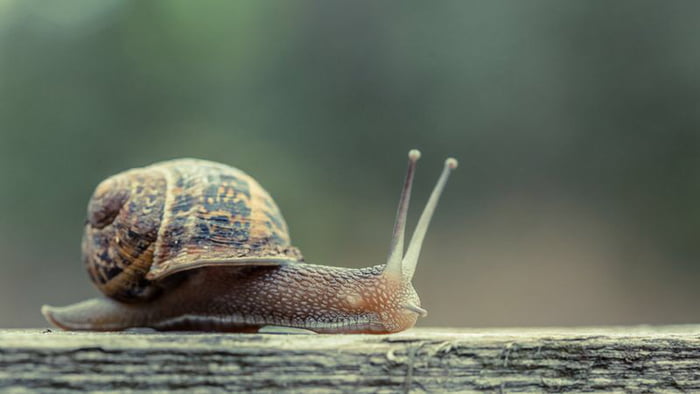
(434, 360)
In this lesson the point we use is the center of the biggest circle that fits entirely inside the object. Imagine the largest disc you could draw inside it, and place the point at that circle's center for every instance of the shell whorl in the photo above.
(167, 217)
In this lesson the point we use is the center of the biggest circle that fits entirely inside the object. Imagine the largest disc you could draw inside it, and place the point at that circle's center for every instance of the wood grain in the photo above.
(426, 359)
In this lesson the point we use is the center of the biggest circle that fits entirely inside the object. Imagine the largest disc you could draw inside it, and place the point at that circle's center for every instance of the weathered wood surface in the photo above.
(433, 360)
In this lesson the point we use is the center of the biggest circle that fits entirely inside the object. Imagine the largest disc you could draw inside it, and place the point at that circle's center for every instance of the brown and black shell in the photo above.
(147, 223)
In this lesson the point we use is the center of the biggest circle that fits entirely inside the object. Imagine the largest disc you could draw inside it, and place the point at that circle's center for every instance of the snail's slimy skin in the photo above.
(318, 298)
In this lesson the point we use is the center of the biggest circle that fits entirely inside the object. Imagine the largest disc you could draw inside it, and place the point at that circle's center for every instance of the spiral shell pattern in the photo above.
(148, 222)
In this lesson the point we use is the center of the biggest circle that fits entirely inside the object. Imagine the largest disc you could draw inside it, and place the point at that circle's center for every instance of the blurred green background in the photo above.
(576, 124)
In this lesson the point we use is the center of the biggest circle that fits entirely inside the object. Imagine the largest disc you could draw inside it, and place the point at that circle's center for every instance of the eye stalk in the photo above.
(401, 267)
(410, 259)
(393, 264)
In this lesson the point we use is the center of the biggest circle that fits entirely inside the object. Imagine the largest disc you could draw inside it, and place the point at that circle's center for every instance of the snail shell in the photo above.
(148, 223)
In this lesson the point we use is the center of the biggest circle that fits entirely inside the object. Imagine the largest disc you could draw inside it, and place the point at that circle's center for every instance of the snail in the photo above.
(190, 244)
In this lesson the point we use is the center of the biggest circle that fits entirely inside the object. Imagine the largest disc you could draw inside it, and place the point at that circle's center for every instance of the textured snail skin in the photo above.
(317, 298)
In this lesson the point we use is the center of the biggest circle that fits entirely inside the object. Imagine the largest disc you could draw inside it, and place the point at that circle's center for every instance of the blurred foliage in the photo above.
(576, 126)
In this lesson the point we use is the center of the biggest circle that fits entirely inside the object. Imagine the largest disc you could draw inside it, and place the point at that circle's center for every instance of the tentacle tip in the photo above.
(414, 154)
(451, 163)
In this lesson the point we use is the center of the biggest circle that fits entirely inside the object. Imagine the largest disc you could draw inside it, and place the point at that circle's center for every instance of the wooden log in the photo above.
(425, 359)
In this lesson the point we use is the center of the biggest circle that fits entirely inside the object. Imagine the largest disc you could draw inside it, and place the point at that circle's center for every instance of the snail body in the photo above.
(195, 245)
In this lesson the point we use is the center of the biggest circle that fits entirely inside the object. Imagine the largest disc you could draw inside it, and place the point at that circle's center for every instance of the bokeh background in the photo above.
(577, 127)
